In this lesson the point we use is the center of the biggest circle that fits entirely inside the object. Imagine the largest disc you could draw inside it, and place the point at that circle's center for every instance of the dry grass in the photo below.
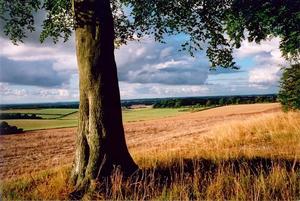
(196, 179)
(266, 135)
(235, 157)
(269, 135)
(47, 185)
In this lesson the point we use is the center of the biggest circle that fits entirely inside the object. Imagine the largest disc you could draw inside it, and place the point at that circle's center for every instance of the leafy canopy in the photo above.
(217, 26)
(289, 94)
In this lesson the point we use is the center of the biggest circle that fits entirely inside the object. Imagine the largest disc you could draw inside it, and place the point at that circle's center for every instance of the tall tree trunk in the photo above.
(100, 142)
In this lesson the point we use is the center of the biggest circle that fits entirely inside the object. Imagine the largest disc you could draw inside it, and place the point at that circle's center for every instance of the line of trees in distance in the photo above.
(214, 101)
(18, 116)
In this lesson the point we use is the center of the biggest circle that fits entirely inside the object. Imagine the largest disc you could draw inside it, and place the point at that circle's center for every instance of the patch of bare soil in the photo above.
(43, 149)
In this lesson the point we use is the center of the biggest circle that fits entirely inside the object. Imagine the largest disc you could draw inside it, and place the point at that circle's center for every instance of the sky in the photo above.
(33, 72)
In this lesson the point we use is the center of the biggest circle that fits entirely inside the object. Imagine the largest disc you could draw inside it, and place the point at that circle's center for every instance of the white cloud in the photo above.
(166, 52)
(169, 90)
(146, 69)
(63, 57)
(150, 62)
(5, 90)
(170, 63)
(136, 90)
(250, 49)
(268, 60)
(55, 93)
(264, 75)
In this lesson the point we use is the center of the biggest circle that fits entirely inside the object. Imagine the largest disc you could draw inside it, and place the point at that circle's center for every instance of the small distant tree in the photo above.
(289, 94)
(258, 99)
(208, 103)
(221, 101)
(229, 101)
(178, 103)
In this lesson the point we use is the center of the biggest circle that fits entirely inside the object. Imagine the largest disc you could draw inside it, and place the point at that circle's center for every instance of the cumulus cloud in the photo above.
(62, 55)
(30, 94)
(43, 72)
(267, 74)
(38, 73)
(150, 62)
(136, 90)
(5, 90)
(267, 60)
(251, 49)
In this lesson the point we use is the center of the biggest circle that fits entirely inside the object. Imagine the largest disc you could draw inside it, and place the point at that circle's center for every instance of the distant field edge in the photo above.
(69, 120)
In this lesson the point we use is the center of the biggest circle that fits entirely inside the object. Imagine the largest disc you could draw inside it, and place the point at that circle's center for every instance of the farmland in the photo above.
(253, 138)
(64, 118)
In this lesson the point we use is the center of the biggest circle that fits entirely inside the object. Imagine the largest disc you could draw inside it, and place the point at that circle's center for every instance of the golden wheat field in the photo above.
(240, 152)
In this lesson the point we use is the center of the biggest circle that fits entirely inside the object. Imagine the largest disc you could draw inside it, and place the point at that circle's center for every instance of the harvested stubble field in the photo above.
(251, 138)
(39, 150)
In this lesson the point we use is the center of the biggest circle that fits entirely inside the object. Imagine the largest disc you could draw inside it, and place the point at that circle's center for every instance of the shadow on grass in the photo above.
(183, 179)
(240, 178)
(255, 165)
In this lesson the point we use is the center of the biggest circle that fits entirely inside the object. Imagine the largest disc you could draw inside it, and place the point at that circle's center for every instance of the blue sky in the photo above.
(34, 72)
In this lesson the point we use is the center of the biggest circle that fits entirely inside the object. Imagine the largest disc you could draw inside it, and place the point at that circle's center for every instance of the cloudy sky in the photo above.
(34, 72)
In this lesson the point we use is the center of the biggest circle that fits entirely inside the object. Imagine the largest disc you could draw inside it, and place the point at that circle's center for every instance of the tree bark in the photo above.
(100, 142)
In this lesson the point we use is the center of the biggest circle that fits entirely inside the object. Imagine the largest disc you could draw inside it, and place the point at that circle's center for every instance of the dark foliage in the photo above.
(261, 19)
(289, 94)
(18, 116)
(7, 129)
(203, 22)
(214, 101)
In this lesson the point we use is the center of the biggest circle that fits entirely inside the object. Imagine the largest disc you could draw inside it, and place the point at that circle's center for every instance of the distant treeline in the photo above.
(214, 101)
(40, 105)
(160, 102)
(18, 116)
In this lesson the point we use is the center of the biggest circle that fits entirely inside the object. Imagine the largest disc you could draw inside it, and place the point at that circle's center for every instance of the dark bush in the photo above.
(289, 94)
(5, 129)
(18, 116)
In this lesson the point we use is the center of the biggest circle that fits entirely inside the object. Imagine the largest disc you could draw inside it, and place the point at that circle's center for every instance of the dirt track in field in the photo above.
(43, 149)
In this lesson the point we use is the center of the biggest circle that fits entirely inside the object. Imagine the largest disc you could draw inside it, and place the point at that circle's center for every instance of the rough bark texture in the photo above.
(101, 142)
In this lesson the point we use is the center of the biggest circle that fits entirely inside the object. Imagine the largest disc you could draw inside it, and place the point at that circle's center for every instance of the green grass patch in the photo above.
(63, 118)
(37, 124)
(150, 113)
(73, 115)
(131, 115)
(49, 116)
(48, 111)
(51, 113)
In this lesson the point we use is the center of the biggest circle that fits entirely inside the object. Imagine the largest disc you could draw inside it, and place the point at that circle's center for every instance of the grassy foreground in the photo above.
(255, 159)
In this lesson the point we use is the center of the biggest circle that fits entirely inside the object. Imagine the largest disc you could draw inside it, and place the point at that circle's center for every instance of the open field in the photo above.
(38, 124)
(41, 149)
(234, 152)
(52, 113)
(65, 118)
(142, 114)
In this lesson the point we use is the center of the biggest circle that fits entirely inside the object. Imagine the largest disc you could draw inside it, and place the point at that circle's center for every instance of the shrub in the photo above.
(18, 116)
(5, 128)
(289, 94)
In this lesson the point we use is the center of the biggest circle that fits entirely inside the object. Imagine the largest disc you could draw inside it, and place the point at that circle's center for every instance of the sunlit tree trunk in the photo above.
(100, 142)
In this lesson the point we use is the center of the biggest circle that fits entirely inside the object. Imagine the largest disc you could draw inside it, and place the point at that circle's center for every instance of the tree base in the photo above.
(91, 185)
